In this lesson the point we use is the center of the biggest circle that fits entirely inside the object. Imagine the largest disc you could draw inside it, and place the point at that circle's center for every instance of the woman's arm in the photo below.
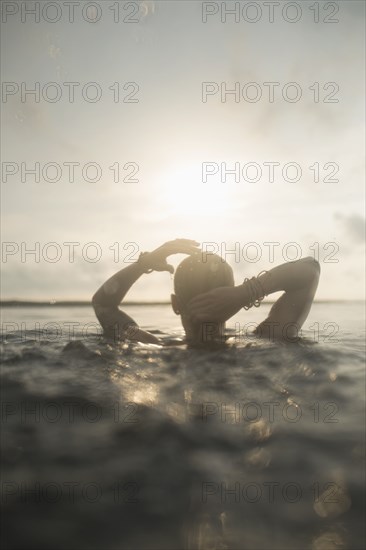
(115, 322)
(112, 292)
(298, 279)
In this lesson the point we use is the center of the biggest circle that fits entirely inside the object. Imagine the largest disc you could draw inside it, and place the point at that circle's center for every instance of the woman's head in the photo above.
(196, 275)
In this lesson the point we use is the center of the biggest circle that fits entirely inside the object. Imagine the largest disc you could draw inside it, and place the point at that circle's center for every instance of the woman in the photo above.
(206, 296)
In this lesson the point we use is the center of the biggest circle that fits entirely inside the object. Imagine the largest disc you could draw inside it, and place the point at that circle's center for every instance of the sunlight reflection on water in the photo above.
(257, 447)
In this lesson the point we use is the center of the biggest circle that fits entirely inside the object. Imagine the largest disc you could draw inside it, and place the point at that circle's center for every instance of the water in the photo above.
(258, 446)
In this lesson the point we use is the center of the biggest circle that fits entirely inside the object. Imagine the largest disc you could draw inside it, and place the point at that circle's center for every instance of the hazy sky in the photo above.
(166, 135)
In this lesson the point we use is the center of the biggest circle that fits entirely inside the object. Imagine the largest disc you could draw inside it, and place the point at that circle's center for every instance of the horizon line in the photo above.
(85, 303)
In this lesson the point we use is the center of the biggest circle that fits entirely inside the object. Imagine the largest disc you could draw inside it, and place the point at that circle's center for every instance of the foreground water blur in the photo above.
(257, 446)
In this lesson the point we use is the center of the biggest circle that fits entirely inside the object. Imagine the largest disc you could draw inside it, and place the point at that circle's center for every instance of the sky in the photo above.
(189, 159)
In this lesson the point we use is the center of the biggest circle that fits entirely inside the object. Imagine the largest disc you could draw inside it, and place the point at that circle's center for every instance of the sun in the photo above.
(183, 192)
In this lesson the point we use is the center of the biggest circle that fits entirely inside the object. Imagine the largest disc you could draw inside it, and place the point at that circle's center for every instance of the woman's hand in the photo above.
(218, 304)
(156, 260)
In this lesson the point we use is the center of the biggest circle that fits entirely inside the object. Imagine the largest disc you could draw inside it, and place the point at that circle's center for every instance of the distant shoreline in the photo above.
(74, 303)
(69, 303)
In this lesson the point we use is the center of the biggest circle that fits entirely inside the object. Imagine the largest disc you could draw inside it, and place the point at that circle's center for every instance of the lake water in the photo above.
(258, 446)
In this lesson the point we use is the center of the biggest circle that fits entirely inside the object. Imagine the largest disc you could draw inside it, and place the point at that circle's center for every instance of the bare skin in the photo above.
(298, 280)
(115, 322)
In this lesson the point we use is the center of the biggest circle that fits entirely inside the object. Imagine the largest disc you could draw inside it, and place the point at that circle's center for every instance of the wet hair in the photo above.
(200, 273)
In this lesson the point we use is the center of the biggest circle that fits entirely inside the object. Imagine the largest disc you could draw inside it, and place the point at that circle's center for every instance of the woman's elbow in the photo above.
(312, 268)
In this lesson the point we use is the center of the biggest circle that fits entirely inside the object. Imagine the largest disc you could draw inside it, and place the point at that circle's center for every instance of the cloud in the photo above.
(354, 226)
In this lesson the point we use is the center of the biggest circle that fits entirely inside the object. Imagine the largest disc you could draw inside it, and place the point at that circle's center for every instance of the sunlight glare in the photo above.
(184, 192)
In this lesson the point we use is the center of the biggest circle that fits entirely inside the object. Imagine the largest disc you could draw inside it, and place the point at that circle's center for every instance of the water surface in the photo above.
(256, 446)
